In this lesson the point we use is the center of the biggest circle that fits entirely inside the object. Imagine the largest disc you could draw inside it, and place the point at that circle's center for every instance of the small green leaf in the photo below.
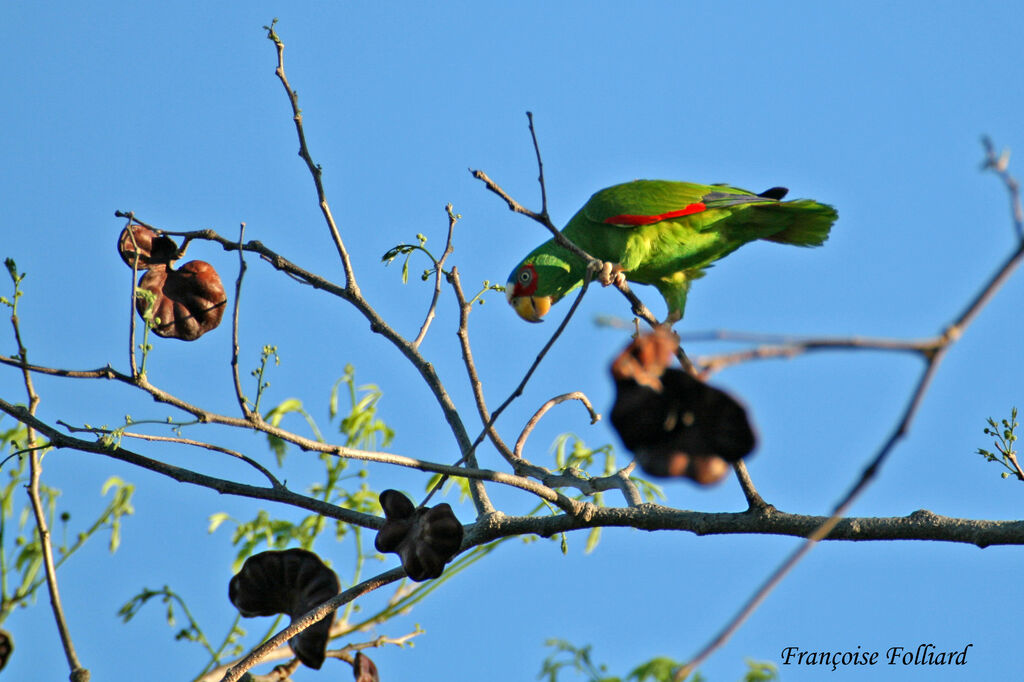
(592, 539)
(216, 520)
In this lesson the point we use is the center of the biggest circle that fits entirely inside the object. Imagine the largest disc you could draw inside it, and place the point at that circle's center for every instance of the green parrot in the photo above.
(662, 233)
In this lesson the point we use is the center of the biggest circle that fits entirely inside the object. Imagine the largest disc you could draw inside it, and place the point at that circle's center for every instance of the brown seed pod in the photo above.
(363, 669)
(7, 648)
(150, 247)
(189, 301)
(424, 539)
(292, 582)
(675, 424)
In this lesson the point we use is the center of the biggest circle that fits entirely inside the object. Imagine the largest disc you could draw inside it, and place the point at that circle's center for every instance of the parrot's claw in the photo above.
(608, 273)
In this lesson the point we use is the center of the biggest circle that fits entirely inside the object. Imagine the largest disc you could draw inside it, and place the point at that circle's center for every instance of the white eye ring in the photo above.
(525, 276)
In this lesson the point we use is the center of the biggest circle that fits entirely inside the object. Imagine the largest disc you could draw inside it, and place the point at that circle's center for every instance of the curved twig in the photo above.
(242, 405)
(438, 271)
(535, 419)
(181, 441)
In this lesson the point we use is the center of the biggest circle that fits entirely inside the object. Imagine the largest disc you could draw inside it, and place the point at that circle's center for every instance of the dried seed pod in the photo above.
(424, 539)
(363, 669)
(7, 648)
(675, 424)
(150, 247)
(292, 582)
(189, 301)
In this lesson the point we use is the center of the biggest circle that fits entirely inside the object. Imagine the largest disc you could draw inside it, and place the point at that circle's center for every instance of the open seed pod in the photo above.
(292, 582)
(675, 424)
(150, 247)
(189, 301)
(424, 539)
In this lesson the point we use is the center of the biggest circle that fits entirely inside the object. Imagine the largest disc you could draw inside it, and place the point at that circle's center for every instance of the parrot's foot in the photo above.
(610, 273)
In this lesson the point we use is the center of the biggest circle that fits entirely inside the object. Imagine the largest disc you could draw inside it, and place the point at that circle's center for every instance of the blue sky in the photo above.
(877, 108)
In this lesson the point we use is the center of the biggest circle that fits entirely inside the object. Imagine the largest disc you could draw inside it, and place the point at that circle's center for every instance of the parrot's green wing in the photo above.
(643, 202)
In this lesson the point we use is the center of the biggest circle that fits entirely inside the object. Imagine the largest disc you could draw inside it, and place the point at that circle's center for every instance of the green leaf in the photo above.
(592, 539)
(216, 520)
(660, 669)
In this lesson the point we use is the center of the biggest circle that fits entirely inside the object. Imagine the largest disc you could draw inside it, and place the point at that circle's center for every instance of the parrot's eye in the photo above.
(525, 276)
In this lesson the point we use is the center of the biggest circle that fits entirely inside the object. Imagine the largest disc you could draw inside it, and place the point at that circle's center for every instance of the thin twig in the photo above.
(314, 168)
(377, 325)
(131, 307)
(999, 164)
(777, 346)
(115, 451)
(592, 264)
(754, 499)
(540, 168)
(282, 652)
(557, 400)
(242, 403)
(465, 308)
(235, 672)
(562, 501)
(627, 486)
(182, 441)
(257, 424)
(78, 673)
(1018, 472)
(438, 272)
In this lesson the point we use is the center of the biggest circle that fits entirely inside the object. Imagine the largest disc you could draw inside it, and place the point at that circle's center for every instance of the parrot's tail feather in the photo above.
(809, 222)
(777, 193)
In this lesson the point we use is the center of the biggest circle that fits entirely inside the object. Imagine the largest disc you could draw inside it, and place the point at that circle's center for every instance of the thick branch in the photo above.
(920, 525)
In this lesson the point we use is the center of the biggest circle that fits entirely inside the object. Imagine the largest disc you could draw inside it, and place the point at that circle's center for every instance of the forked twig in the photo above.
(438, 272)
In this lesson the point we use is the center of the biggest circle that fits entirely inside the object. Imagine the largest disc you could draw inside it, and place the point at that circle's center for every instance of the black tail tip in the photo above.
(776, 193)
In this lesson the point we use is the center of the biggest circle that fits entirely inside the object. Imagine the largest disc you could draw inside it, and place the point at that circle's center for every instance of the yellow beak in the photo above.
(531, 308)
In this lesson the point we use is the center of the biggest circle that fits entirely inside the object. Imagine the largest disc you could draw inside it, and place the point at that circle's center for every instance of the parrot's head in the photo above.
(541, 280)
(521, 293)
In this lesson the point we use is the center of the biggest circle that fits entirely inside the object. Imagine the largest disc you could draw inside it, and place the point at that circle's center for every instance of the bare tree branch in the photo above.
(953, 333)
(314, 168)
(78, 672)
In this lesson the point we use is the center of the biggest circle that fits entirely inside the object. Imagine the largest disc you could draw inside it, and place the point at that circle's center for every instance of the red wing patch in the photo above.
(633, 220)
